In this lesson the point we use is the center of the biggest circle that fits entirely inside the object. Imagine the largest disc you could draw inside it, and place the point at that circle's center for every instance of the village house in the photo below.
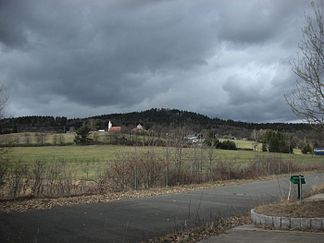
(117, 129)
(138, 129)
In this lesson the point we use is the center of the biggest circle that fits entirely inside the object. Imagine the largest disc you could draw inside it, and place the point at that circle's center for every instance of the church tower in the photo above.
(109, 125)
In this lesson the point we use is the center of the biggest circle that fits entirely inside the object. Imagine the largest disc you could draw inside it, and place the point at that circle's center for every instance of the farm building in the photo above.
(138, 129)
(113, 129)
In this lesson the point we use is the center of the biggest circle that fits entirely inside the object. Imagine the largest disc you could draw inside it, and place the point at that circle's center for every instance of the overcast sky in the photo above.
(76, 58)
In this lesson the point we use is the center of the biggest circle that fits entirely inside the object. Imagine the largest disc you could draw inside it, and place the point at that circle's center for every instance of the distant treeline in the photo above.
(159, 120)
(178, 118)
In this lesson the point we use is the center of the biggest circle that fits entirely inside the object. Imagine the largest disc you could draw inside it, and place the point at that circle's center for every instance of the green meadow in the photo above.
(96, 157)
(104, 153)
(92, 160)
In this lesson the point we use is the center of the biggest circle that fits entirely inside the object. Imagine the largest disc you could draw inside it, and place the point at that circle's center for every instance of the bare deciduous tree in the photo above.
(3, 151)
(307, 99)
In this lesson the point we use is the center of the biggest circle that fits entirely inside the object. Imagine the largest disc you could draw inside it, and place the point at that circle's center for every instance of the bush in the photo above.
(227, 144)
(264, 147)
(3, 172)
(306, 149)
(144, 170)
(82, 136)
(277, 142)
(3, 166)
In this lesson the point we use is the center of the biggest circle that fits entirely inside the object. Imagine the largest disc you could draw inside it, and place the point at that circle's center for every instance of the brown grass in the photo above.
(317, 189)
(306, 209)
(195, 234)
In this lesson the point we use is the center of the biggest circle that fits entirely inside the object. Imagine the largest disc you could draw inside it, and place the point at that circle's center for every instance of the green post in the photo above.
(299, 180)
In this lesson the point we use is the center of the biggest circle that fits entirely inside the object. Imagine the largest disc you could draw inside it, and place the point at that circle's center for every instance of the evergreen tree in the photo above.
(276, 142)
(82, 136)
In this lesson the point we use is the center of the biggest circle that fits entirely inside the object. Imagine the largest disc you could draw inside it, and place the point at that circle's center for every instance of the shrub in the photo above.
(277, 142)
(82, 136)
(227, 144)
(17, 180)
(144, 170)
(306, 149)
(3, 172)
(3, 166)
(37, 175)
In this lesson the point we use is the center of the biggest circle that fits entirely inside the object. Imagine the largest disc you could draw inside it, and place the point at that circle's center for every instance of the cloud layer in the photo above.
(222, 58)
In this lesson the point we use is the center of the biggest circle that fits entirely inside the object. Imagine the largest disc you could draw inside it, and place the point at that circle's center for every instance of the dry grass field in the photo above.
(73, 169)
(94, 158)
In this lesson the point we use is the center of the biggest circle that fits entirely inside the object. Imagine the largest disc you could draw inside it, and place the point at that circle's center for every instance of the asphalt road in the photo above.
(138, 219)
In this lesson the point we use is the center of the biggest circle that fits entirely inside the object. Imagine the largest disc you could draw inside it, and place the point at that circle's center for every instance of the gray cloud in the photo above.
(80, 58)
(253, 22)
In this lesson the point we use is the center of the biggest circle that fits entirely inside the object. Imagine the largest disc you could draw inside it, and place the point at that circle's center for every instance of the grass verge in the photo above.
(306, 209)
(296, 209)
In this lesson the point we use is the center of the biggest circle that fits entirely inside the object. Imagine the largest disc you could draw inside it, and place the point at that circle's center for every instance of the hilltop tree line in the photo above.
(153, 118)
(161, 121)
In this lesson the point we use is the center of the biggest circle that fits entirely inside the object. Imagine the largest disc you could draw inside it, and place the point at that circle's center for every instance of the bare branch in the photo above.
(3, 99)
(307, 99)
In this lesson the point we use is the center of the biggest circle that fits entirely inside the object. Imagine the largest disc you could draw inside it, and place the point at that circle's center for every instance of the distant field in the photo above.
(102, 153)
(91, 160)
(245, 144)
(73, 153)
(34, 138)
(252, 145)
(50, 139)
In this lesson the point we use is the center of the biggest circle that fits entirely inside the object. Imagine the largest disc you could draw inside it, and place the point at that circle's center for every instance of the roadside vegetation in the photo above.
(81, 170)
(307, 209)
(119, 162)
(201, 230)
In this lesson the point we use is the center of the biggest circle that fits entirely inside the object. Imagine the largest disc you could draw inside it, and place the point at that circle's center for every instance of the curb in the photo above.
(286, 223)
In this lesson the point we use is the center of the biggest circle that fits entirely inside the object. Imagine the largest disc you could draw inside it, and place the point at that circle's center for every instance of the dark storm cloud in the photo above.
(80, 58)
(11, 29)
(257, 21)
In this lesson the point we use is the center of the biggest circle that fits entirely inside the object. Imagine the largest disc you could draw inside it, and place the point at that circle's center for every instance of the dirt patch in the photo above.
(306, 209)
(196, 234)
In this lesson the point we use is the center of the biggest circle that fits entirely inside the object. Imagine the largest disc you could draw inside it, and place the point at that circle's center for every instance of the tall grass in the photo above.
(142, 168)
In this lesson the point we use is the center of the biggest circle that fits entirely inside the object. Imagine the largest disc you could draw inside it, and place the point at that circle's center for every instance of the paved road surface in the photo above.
(138, 219)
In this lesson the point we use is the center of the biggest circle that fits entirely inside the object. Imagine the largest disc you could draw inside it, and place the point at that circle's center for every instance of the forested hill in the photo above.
(179, 118)
(155, 119)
